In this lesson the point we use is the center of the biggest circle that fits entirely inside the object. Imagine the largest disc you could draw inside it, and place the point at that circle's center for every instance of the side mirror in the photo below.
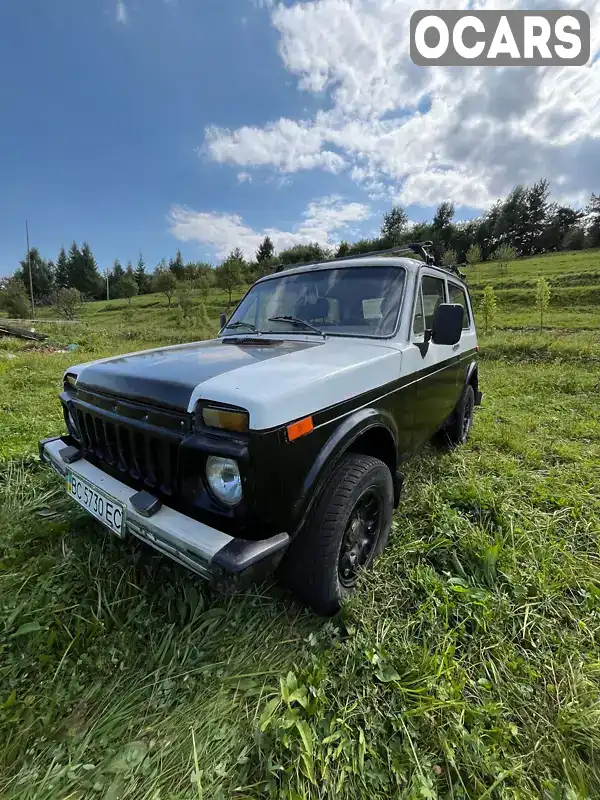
(447, 323)
(222, 321)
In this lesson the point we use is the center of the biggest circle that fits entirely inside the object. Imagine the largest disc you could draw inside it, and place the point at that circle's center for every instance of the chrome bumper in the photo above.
(224, 560)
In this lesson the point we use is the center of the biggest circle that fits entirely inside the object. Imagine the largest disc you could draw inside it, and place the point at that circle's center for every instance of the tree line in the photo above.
(524, 223)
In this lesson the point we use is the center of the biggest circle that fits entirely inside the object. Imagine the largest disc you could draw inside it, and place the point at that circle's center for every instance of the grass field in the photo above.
(466, 666)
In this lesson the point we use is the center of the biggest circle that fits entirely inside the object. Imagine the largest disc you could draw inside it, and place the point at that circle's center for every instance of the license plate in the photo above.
(105, 509)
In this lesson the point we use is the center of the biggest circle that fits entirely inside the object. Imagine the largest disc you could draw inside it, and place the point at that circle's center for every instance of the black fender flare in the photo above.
(472, 377)
(472, 371)
(342, 438)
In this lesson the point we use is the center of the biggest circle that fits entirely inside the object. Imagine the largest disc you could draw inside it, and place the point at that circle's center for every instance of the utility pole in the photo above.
(107, 273)
(30, 276)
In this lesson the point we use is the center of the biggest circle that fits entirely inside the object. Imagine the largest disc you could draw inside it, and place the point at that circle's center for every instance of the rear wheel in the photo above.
(459, 429)
(344, 534)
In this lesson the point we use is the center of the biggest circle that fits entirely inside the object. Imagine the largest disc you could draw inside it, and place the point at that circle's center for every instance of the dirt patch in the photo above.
(44, 348)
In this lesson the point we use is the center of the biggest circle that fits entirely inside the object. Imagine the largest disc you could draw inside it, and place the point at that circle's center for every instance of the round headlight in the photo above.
(223, 476)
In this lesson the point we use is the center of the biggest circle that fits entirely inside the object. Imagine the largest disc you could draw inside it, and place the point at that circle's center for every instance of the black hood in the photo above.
(166, 377)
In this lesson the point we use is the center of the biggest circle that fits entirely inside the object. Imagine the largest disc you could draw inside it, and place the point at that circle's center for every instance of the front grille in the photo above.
(147, 455)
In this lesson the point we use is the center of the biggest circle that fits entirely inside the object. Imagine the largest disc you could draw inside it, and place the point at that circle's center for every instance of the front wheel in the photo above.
(347, 530)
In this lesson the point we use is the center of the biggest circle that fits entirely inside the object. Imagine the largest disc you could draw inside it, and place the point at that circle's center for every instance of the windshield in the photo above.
(355, 301)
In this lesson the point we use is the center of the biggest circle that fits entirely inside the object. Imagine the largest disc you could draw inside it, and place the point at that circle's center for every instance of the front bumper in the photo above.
(228, 563)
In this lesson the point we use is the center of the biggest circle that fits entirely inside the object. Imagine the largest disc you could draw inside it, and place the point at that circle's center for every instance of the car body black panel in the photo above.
(167, 377)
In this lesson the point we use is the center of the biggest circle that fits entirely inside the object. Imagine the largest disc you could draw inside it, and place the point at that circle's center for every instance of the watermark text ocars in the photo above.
(500, 38)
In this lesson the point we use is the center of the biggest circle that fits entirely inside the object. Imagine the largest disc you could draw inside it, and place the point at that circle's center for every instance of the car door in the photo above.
(465, 349)
(436, 374)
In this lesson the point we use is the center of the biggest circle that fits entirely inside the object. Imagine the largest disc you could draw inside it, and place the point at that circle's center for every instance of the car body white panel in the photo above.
(304, 382)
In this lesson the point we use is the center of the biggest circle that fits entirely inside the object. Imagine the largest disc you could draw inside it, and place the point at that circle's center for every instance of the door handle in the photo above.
(456, 346)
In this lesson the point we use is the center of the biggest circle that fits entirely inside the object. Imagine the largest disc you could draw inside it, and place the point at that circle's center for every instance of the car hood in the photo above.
(168, 376)
(275, 380)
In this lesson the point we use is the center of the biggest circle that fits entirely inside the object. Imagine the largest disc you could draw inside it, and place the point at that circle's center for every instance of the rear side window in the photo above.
(432, 290)
(457, 295)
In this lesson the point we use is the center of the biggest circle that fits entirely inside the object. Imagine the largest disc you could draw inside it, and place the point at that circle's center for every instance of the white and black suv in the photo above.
(280, 443)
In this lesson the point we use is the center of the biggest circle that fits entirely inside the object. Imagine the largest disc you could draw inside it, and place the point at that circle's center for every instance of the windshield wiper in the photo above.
(298, 321)
(248, 325)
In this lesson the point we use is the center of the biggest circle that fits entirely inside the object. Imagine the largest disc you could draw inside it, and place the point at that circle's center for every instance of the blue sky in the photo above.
(202, 124)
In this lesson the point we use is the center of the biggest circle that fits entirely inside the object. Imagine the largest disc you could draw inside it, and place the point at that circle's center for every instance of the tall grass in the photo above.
(466, 666)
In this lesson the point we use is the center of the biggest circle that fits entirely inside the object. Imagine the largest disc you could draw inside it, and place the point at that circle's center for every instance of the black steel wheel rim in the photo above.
(468, 416)
(360, 536)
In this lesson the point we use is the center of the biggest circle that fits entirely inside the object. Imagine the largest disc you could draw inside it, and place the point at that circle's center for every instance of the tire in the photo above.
(332, 541)
(459, 429)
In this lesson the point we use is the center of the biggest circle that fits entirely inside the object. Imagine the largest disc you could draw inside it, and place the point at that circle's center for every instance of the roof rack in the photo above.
(417, 248)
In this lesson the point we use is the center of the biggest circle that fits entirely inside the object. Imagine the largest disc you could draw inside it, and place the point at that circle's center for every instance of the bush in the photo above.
(449, 258)
(67, 303)
(14, 300)
(542, 298)
(185, 298)
(504, 254)
(489, 306)
(474, 254)
(165, 283)
(128, 287)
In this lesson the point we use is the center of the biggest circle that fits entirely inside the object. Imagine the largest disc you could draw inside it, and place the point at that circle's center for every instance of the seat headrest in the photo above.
(321, 309)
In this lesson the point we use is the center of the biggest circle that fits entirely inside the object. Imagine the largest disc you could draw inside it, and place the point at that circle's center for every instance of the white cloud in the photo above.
(421, 135)
(321, 222)
(244, 177)
(288, 145)
(122, 13)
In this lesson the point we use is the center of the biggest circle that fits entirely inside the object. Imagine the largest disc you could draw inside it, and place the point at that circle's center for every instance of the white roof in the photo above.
(410, 264)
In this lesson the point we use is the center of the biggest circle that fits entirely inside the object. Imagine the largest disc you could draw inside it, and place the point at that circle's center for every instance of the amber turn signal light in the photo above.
(300, 428)
(227, 420)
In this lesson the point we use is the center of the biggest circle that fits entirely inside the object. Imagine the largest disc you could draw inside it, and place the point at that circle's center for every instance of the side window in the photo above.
(433, 295)
(457, 295)
(419, 320)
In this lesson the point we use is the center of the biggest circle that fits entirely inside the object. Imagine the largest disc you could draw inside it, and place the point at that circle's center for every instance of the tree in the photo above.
(229, 274)
(449, 258)
(67, 302)
(83, 272)
(343, 250)
(535, 218)
(114, 279)
(394, 222)
(184, 297)
(14, 299)
(542, 298)
(200, 269)
(61, 273)
(474, 254)
(203, 285)
(141, 277)
(303, 254)
(593, 220)
(42, 275)
(266, 250)
(165, 282)
(504, 254)
(365, 246)
(511, 223)
(128, 286)
(560, 220)
(443, 216)
(489, 306)
(574, 238)
(177, 266)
